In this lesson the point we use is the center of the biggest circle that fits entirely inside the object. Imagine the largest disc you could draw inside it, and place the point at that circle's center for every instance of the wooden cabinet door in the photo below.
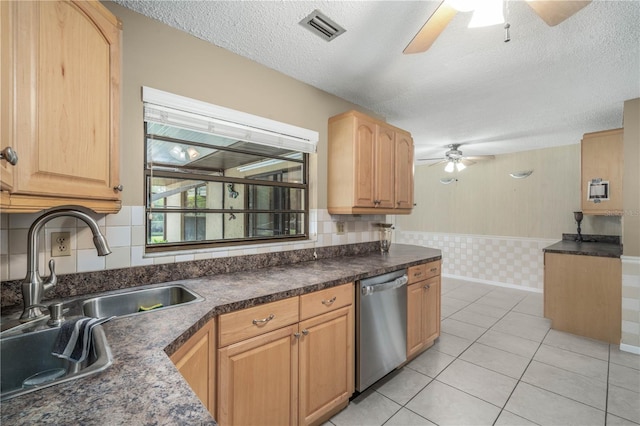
(415, 318)
(602, 158)
(403, 171)
(258, 380)
(66, 63)
(385, 166)
(364, 149)
(6, 90)
(326, 363)
(196, 362)
(431, 303)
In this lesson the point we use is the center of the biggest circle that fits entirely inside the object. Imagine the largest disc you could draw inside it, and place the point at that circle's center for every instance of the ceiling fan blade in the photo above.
(431, 29)
(431, 159)
(467, 162)
(438, 163)
(479, 157)
(554, 12)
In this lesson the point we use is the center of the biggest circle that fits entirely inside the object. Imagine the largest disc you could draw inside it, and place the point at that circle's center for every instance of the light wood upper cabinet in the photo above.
(196, 361)
(423, 307)
(62, 119)
(602, 158)
(370, 168)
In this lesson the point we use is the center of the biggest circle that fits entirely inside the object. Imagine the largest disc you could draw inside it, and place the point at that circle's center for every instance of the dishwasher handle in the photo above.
(389, 285)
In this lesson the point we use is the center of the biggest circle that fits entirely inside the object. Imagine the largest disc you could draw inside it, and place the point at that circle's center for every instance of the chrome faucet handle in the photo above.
(53, 278)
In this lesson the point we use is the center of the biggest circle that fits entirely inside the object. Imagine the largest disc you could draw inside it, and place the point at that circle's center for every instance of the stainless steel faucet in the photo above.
(33, 287)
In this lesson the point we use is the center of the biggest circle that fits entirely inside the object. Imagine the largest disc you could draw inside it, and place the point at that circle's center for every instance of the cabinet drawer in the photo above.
(326, 300)
(245, 323)
(424, 271)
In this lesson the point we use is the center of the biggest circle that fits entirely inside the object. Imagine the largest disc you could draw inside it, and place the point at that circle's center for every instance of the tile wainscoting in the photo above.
(630, 304)
(504, 261)
(125, 233)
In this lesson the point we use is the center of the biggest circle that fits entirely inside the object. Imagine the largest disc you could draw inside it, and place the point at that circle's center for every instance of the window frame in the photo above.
(172, 172)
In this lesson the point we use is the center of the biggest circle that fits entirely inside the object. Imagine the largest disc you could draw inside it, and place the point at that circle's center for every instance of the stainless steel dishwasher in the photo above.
(381, 326)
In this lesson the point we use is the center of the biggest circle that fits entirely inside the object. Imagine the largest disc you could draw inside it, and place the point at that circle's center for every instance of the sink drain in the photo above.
(44, 377)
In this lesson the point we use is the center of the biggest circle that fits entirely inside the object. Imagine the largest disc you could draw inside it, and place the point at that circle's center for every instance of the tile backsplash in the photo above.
(125, 233)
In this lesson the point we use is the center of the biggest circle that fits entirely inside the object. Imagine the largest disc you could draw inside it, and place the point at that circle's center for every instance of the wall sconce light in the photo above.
(521, 174)
(447, 181)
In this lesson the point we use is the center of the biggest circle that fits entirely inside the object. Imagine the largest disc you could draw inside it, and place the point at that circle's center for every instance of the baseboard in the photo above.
(495, 283)
(629, 348)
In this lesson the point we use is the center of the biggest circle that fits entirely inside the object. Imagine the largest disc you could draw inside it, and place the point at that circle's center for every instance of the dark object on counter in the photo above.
(578, 217)
(74, 339)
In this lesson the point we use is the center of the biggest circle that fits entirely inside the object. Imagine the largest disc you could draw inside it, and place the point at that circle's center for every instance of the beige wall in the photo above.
(631, 178)
(164, 58)
(487, 201)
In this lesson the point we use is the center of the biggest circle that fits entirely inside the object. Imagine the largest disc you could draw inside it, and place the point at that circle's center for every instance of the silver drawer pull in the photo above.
(263, 320)
(305, 332)
(428, 286)
(434, 269)
(329, 302)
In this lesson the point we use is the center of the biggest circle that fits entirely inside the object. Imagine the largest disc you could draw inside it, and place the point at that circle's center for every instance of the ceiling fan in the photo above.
(455, 159)
(552, 12)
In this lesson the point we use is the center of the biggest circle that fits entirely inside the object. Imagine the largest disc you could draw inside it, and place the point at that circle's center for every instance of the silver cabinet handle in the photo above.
(305, 332)
(427, 287)
(263, 320)
(434, 269)
(10, 155)
(329, 302)
(296, 335)
(118, 188)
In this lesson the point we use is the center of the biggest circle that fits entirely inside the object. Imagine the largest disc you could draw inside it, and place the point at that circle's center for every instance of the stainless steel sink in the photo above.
(139, 301)
(27, 364)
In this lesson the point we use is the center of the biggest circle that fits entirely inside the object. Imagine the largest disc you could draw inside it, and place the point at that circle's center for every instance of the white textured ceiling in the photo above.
(546, 87)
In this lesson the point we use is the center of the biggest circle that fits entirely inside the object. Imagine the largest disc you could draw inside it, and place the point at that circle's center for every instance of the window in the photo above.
(213, 182)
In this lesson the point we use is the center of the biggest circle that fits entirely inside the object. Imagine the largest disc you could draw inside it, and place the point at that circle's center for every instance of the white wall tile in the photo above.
(138, 236)
(120, 257)
(88, 260)
(122, 218)
(119, 236)
(137, 216)
(185, 258)
(137, 257)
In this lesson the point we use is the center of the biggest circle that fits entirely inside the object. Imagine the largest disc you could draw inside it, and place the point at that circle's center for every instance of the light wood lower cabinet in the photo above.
(423, 307)
(300, 373)
(326, 365)
(196, 361)
(583, 295)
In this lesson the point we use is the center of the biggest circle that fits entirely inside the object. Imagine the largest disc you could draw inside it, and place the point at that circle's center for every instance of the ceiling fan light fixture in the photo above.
(460, 166)
(450, 166)
(487, 13)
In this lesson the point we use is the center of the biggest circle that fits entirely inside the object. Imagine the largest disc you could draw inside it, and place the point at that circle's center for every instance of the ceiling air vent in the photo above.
(322, 25)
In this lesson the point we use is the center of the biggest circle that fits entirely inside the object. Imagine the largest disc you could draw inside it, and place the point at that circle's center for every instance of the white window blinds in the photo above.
(179, 111)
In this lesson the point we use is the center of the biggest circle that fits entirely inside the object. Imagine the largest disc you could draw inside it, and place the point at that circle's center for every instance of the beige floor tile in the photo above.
(431, 362)
(450, 344)
(478, 381)
(369, 409)
(490, 311)
(444, 405)
(624, 403)
(402, 385)
(624, 358)
(406, 417)
(547, 408)
(462, 329)
(510, 343)
(497, 360)
(581, 345)
(566, 383)
(474, 318)
(469, 293)
(572, 361)
(452, 303)
(618, 421)
(625, 377)
(500, 300)
(523, 325)
(509, 419)
(533, 304)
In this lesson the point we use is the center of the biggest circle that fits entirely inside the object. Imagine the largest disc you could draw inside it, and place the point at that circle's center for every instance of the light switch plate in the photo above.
(60, 244)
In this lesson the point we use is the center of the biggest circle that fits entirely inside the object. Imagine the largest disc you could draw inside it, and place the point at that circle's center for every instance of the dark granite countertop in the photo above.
(594, 245)
(142, 386)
